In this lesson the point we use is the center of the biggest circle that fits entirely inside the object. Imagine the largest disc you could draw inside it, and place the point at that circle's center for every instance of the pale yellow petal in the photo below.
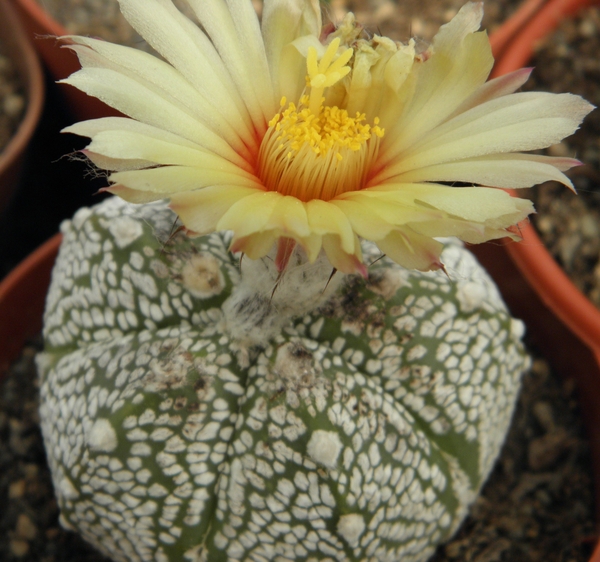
(289, 218)
(450, 36)
(291, 77)
(459, 63)
(412, 250)
(477, 204)
(522, 121)
(496, 170)
(327, 218)
(133, 195)
(135, 146)
(364, 222)
(168, 82)
(144, 104)
(343, 261)
(495, 88)
(390, 73)
(115, 164)
(312, 245)
(472, 214)
(471, 232)
(187, 48)
(254, 246)
(284, 21)
(443, 84)
(167, 180)
(517, 119)
(117, 125)
(269, 211)
(361, 85)
(234, 30)
(250, 215)
(374, 215)
(201, 210)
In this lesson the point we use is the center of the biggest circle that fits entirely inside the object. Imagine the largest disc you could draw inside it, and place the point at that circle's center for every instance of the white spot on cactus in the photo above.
(350, 527)
(417, 352)
(67, 490)
(315, 329)
(194, 554)
(157, 490)
(65, 523)
(471, 295)
(101, 436)
(387, 282)
(202, 276)
(125, 230)
(78, 219)
(294, 363)
(517, 329)
(324, 447)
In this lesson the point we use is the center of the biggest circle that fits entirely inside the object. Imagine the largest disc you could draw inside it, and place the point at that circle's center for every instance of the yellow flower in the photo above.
(299, 134)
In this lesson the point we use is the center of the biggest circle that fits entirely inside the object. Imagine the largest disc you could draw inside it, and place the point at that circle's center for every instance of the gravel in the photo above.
(29, 527)
(12, 98)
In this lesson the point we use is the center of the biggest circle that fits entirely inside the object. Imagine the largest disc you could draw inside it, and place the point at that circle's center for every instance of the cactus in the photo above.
(359, 430)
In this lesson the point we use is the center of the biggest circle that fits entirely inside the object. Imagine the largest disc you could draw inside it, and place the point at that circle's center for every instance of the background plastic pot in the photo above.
(44, 30)
(22, 301)
(24, 57)
(562, 321)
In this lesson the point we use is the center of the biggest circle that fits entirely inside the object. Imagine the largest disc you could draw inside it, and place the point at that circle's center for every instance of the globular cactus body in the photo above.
(360, 431)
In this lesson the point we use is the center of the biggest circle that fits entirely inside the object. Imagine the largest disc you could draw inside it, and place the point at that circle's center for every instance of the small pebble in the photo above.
(17, 489)
(14, 105)
(12, 100)
(19, 548)
(543, 413)
(587, 28)
(544, 451)
(25, 528)
(560, 149)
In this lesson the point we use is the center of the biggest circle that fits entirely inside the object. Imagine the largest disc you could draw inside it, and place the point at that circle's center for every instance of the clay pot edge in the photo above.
(30, 69)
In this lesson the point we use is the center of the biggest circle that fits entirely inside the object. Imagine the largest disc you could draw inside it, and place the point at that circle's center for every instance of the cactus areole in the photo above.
(199, 408)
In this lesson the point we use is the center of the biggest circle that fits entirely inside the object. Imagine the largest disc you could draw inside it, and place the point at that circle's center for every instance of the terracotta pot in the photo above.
(22, 54)
(562, 321)
(60, 62)
(506, 32)
(22, 300)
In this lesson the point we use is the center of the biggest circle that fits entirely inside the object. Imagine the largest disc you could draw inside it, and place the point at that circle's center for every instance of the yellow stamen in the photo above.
(331, 128)
(303, 150)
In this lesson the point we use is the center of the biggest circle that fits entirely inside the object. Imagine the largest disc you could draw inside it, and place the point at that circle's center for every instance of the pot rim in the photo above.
(21, 307)
(531, 256)
(47, 31)
(31, 72)
(43, 18)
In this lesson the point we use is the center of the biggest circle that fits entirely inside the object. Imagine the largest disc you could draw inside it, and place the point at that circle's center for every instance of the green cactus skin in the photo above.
(362, 431)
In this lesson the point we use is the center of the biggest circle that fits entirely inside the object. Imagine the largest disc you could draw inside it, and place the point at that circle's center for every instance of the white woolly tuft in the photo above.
(265, 300)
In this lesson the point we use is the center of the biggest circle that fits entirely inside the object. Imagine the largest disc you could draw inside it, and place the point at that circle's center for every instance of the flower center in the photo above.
(312, 151)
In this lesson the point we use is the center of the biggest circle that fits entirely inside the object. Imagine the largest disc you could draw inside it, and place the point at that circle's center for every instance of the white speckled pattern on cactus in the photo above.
(362, 432)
